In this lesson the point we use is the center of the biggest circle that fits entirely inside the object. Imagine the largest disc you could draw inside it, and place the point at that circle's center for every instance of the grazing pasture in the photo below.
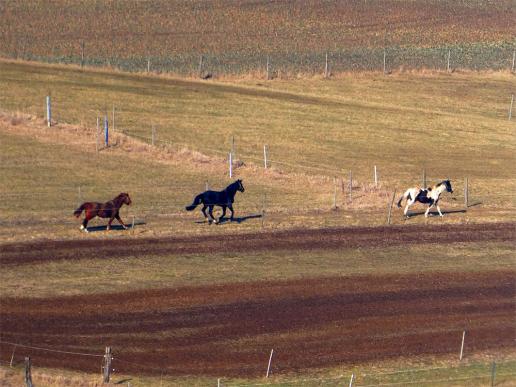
(317, 131)
(177, 297)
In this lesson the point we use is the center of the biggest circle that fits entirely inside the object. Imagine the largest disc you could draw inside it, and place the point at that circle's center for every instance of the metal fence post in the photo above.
(28, 372)
(49, 112)
(107, 364)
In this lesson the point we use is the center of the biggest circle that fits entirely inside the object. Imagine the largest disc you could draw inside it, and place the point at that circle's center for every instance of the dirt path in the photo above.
(336, 238)
(229, 330)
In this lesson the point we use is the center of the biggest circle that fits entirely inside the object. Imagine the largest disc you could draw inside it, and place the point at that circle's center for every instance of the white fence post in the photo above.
(230, 165)
(269, 366)
(49, 112)
(462, 345)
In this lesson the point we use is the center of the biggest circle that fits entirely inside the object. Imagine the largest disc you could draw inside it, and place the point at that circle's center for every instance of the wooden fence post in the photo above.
(200, 65)
(350, 186)
(424, 179)
(466, 193)
(49, 112)
(82, 53)
(148, 65)
(113, 122)
(462, 345)
(513, 60)
(390, 207)
(12, 357)
(97, 136)
(493, 374)
(384, 61)
(335, 193)
(230, 165)
(326, 68)
(107, 364)
(269, 366)
(28, 372)
(449, 56)
(233, 147)
(264, 198)
(268, 68)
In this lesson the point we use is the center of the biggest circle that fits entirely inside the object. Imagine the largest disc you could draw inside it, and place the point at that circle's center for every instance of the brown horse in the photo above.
(103, 210)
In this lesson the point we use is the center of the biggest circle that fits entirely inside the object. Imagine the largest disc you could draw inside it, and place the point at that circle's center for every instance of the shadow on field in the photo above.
(114, 227)
(435, 213)
(236, 219)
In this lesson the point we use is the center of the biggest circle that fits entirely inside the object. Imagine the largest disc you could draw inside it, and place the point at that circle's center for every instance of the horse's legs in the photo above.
(109, 223)
(428, 209)
(117, 216)
(438, 209)
(232, 212)
(84, 225)
(204, 212)
(210, 211)
(409, 203)
(223, 213)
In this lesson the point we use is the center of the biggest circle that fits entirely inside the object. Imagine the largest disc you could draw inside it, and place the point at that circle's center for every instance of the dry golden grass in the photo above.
(316, 130)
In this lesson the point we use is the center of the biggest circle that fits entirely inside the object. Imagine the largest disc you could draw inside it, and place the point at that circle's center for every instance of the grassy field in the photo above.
(138, 272)
(453, 126)
(477, 372)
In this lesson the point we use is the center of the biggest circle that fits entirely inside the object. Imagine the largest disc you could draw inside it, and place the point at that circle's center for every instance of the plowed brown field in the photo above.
(304, 239)
(229, 330)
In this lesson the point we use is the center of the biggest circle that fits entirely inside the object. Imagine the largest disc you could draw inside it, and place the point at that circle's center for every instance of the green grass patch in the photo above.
(60, 278)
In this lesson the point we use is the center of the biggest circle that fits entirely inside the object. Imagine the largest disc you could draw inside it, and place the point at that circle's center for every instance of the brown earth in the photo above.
(229, 330)
(303, 239)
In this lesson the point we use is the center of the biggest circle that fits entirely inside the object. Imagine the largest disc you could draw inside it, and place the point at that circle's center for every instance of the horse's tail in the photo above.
(79, 210)
(196, 202)
(404, 196)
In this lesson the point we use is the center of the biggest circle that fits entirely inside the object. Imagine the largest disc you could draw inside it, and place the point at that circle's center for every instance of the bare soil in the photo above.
(229, 330)
(301, 239)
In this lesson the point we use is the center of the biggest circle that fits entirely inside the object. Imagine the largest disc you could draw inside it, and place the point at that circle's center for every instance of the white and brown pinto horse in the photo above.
(428, 196)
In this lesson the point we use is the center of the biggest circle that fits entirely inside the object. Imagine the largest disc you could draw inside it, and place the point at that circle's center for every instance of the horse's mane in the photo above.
(235, 183)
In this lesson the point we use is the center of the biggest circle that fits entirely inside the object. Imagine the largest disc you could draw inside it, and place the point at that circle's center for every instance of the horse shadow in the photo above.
(114, 227)
(236, 219)
(435, 213)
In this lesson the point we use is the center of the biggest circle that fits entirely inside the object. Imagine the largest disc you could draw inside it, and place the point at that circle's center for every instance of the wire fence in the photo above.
(497, 371)
(475, 56)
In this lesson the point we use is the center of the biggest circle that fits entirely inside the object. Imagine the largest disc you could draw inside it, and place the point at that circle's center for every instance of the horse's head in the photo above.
(240, 186)
(125, 198)
(448, 186)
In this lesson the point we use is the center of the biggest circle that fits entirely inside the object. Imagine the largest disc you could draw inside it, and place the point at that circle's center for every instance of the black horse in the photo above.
(224, 199)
